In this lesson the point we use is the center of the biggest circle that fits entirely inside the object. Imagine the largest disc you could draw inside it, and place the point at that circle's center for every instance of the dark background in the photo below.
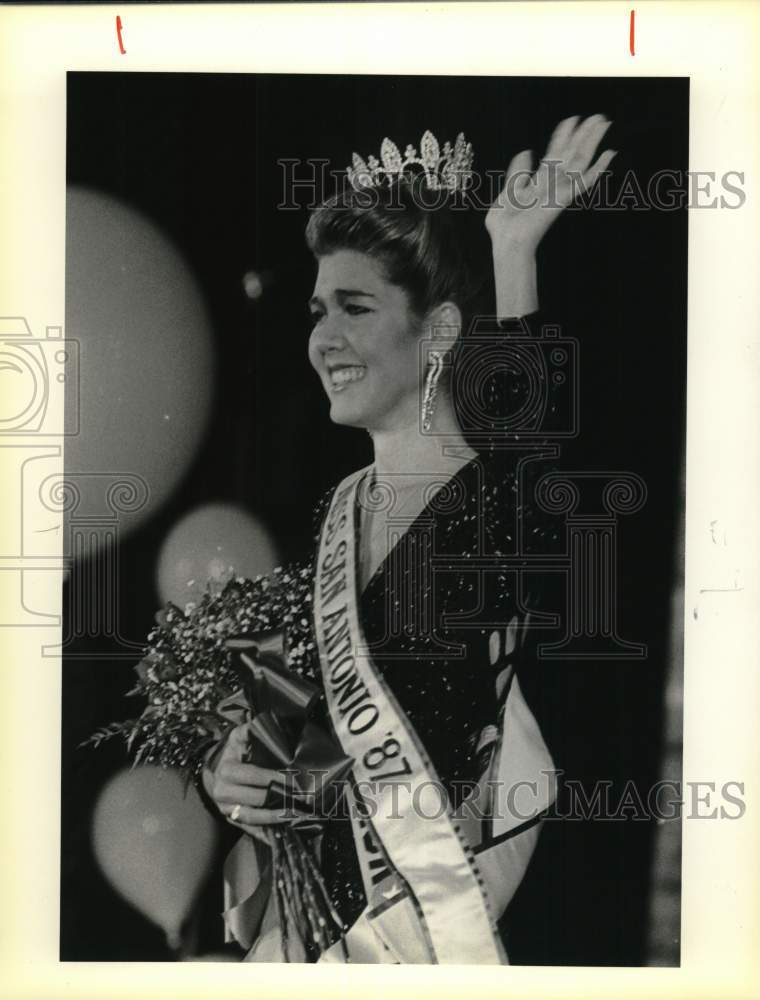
(198, 154)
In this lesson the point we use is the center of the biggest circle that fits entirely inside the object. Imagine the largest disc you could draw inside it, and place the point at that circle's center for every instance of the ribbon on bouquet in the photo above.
(284, 734)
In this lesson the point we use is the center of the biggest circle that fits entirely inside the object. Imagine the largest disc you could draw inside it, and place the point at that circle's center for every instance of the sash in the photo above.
(435, 882)
(431, 863)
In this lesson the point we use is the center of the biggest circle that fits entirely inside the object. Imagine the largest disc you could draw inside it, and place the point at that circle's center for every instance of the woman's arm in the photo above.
(514, 266)
(530, 201)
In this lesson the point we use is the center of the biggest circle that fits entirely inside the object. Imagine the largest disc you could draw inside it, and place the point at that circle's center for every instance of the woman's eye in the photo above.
(315, 317)
(354, 310)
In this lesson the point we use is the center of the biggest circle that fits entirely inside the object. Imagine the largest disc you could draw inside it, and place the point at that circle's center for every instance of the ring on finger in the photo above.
(235, 814)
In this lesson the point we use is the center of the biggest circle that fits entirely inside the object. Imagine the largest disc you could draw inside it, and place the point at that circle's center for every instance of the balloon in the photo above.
(154, 843)
(137, 321)
(210, 545)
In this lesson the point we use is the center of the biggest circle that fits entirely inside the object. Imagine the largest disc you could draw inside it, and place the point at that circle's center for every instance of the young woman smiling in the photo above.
(434, 629)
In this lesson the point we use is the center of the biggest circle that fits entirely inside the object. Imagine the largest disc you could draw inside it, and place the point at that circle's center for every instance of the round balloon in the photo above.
(138, 329)
(208, 547)
(154, 843)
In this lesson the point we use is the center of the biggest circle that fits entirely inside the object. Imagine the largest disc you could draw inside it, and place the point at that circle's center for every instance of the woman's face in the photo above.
(365, 343)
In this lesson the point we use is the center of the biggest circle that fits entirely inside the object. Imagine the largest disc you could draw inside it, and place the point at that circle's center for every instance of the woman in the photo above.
(416, 630)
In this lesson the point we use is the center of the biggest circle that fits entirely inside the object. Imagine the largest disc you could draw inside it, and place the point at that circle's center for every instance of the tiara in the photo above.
(450, 169)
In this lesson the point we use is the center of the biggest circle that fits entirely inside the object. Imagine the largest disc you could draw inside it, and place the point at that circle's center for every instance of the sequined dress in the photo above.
(434, 615)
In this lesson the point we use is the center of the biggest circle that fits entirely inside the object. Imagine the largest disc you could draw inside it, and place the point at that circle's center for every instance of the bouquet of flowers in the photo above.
(224, 661)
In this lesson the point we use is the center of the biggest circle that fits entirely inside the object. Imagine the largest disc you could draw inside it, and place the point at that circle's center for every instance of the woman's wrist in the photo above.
(514, 263)
(513, 243)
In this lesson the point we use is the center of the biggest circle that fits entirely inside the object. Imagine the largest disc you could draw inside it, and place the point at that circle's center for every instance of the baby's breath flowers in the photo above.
(184, 675)
(186, 670)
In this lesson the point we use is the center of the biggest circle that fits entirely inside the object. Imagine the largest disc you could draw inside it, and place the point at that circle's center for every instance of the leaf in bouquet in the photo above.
(141, 669)
(107, 733)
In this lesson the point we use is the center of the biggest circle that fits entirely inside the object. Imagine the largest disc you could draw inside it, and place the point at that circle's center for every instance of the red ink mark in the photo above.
(631, 39)
(118, 32)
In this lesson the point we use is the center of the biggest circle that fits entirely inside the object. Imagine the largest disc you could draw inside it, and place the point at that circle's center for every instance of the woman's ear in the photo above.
(445, 324)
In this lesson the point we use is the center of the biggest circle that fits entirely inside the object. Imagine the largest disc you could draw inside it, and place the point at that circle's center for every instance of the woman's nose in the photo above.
(328, 334)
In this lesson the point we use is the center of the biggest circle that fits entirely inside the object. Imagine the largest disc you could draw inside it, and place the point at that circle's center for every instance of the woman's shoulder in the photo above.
(487, 492)
(495, 522)
(509, 493)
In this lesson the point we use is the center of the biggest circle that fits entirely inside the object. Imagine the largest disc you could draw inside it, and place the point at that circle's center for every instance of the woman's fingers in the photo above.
(238, 737)
(584, 145)
(520, 168)
(242, 815)
(236, 782)
(560, 137)
(240, 773)
(570, 152)
(590, 177)
(238, 787)
(572, 144)
(579, 134)
(230, 795)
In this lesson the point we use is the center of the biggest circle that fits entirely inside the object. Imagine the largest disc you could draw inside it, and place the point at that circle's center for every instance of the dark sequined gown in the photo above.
(430, 611)
(429, 614)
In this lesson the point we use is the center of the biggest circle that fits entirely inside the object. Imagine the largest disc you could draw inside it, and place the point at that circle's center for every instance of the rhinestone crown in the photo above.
(450, 168)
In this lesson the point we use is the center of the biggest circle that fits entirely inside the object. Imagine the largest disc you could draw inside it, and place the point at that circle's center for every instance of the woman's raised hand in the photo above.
(239, 789)
(531, 200)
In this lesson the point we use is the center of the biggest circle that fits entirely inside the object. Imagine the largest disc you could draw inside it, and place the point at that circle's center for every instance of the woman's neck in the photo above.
(405, 449)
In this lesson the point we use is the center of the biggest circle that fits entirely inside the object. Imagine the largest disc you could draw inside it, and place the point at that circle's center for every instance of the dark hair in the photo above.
(434, 247)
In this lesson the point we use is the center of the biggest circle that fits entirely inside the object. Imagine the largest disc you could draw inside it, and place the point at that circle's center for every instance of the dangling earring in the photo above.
(431, 389)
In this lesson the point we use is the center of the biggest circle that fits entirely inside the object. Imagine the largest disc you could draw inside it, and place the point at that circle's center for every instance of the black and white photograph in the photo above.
(372, 643)
(378, 460)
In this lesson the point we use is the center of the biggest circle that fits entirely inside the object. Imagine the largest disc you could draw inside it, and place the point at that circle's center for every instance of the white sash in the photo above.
(431, 897)
(435, 864)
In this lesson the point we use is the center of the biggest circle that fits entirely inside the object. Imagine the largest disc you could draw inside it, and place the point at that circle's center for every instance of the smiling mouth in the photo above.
(341, 377)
